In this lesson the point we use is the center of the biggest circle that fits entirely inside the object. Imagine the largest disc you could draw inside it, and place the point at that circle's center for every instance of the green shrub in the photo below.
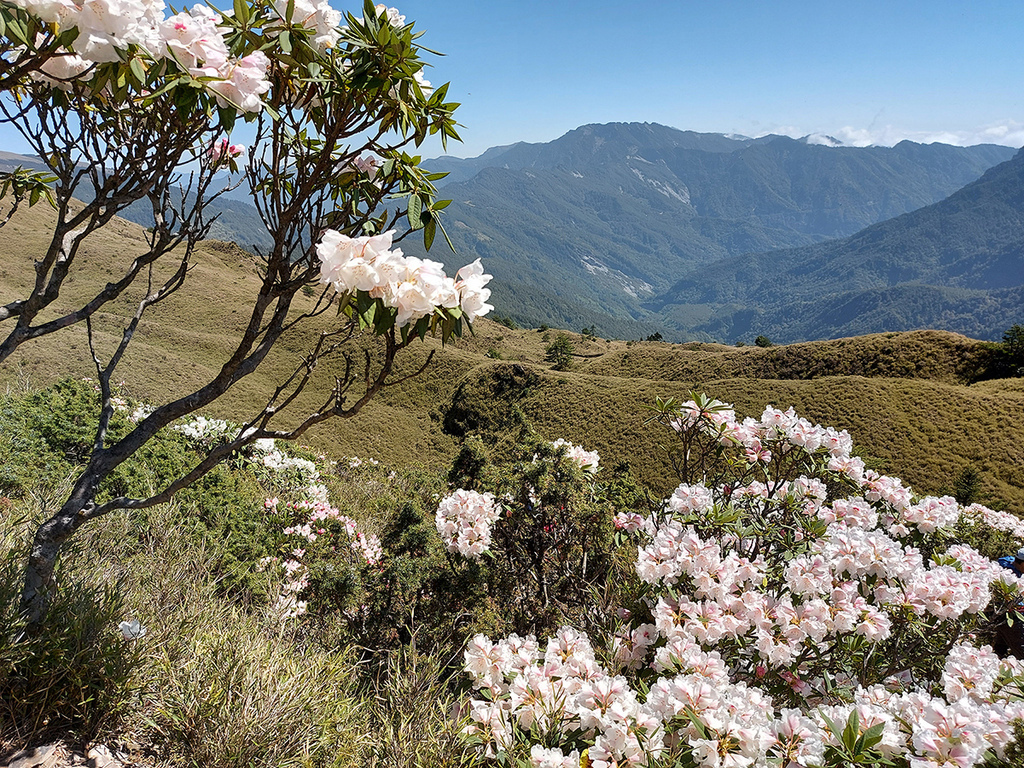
(559, 352)
(552, 544)
(967, 486)
(46, 435)
(487, 403)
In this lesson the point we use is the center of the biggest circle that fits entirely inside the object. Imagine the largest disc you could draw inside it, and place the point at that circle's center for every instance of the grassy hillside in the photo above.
(901, 396)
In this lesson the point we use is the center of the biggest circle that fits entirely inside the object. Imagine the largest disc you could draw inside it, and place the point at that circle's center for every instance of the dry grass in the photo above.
(898, 394)
(212, 683)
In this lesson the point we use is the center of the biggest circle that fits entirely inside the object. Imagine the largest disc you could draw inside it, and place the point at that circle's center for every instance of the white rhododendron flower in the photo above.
(193, 40)
(132, 630)
(586, 460)
(105, 26)
(204, 429)
(423, 83)
(412, 286)
(736, 618)
(51, 11)
(243, 82)
(464, 520)
(391, 15)
(470, 282)
(319, 17)
(60, 70)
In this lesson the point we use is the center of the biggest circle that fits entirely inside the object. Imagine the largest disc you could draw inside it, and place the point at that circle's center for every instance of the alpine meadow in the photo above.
(639, 447)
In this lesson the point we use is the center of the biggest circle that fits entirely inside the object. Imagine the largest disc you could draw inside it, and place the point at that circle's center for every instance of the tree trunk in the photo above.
(38, 590)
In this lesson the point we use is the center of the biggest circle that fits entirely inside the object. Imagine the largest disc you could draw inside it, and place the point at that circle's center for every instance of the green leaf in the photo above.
(872, 735)
(285, 41)
(415, 209)
(138, 70)
(446, 238)
(429, 230)
(227, 116)
(16, 30)
(242, 12)
(852, 731)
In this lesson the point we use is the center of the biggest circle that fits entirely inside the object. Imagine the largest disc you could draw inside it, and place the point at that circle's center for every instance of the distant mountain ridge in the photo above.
(605, 226)
(957, 264)
(587, 229)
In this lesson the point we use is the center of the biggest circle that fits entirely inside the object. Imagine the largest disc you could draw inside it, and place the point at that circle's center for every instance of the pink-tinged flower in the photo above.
(464, 520)
(542, 757)
(62, 69)
(194, 41)
(588, 461)
(224, 153)
(242, 82)
(687, 499)
(470, 281)
(970, 672)
(317, 16)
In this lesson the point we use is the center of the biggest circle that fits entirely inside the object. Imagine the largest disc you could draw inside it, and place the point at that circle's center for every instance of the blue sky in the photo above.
(865, 72)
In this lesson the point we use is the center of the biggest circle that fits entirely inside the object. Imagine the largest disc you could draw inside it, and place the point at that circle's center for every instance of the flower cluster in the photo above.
(978, 514)
(104, 26)
(464, 520)
(193, 41)
(560, 694)
(789, 600)
(203, 429)
(588, 461)
(319, 17)
(278, 461)
(312, 518)
(222, 152)
(315, 515)
(414, 287)
(355, 462)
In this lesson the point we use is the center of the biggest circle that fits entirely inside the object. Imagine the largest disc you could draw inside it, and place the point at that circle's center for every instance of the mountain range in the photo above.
(599, 227)
(634, 229)
(957, 264)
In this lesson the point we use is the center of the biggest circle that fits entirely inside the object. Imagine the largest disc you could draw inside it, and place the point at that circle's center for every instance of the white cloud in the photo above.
(1009, 133)
(823, 140)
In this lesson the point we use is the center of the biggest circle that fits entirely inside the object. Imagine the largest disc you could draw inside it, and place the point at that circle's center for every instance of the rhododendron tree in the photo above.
(125, 103)
(538, 518)
(796, 608)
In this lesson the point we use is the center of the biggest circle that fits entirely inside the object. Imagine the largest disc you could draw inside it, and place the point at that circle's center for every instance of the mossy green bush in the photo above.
(45, 436)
